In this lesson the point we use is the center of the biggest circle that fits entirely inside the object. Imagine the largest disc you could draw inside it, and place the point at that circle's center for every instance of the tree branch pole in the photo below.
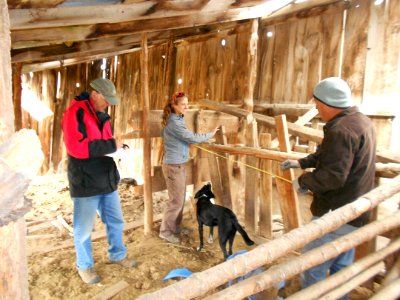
(307, 260)
(200, 283)
(389, 292)
(354, 282)
(320, 288)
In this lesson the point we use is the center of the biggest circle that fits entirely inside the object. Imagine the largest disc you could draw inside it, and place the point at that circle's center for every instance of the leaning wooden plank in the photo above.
(229, 109)
(111, 291)
(64, 223)
(42, 236)
(41, 226)
(289, 202)
(294, 129)
(200, 283)
(302, 120)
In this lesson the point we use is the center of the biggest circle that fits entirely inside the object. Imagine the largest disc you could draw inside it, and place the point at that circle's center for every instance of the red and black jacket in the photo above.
(88, 138)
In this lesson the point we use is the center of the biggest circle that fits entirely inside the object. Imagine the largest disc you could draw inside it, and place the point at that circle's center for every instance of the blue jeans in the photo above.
(109, 208)
(334, 265)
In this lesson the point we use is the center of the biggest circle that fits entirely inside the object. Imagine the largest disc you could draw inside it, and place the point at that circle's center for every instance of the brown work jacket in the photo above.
(344, 164)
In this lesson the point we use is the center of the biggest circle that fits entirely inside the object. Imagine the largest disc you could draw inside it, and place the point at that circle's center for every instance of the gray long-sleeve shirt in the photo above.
(177, 139)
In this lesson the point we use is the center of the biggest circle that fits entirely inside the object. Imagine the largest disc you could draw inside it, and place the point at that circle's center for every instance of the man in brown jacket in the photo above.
(344, 167)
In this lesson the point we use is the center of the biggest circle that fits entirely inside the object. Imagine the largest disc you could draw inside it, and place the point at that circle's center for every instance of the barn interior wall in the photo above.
(300, 52)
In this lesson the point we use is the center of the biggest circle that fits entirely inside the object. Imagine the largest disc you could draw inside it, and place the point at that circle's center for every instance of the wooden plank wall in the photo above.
(304, 48)
(297, 55)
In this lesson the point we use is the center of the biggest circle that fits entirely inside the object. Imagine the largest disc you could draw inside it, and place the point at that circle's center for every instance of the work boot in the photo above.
(170, 238)
(126, 263)
(89, 276)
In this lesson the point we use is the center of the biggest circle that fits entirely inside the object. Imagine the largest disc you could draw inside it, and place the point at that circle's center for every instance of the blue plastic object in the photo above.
(182, 272)
(251, 273)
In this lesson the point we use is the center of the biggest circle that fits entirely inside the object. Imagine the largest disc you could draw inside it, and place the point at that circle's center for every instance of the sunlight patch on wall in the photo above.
(36, 108)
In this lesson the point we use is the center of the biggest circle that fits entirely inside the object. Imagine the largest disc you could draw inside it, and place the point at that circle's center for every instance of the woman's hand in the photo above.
(215, 130)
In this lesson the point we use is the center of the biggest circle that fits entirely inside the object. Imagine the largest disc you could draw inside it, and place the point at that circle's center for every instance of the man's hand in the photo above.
(298, 188)
(290, 164)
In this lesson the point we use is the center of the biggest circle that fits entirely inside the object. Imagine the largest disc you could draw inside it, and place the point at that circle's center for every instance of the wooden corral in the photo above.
(243, 64)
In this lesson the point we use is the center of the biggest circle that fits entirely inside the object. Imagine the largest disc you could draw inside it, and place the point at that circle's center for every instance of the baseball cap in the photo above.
(107, 88)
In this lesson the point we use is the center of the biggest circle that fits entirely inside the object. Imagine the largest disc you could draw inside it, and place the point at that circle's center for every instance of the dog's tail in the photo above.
(246, 238)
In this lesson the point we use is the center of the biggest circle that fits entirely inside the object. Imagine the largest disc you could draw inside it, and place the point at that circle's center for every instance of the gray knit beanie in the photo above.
(334, 92)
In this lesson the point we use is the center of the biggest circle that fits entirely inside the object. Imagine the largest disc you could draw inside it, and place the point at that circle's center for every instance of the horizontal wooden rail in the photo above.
(200, 283)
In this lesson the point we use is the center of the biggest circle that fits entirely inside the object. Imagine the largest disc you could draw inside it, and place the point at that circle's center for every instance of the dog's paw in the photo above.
(210, 240)
(199, 249)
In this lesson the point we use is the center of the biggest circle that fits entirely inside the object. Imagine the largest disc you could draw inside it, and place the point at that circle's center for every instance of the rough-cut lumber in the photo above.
(260, 153)
(289, 201)
(225, 166)
(111, 291)
(229, 109)
(137, 10)
(252, 179)
(308, 260)
(95, 236)
(294, 129)
(320, 288)
(200, 283)
(265, 203)
(49, 35)
(148, 196)
(231, 123)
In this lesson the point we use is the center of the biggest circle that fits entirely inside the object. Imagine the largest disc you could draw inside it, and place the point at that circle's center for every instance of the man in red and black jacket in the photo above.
(93, 176)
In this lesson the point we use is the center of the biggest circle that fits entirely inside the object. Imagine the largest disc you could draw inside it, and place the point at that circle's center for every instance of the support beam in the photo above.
(148, 196)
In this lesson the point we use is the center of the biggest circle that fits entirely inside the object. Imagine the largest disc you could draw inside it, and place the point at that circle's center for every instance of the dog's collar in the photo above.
(203, 195)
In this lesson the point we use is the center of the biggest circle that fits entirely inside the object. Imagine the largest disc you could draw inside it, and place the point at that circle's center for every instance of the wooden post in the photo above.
(17, 93)
(16, 161)
(148, 196)
(225, 165)
(251, 192)
(6, 104)
(13, 264)
(265, 211)
(289, 202)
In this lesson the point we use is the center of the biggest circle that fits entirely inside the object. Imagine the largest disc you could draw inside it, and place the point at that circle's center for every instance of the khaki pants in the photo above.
(175, 178)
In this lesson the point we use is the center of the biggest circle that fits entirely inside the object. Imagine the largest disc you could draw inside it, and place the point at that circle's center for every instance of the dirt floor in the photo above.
(51, 256)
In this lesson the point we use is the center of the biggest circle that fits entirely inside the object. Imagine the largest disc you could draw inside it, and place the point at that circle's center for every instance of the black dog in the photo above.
(215, 215)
